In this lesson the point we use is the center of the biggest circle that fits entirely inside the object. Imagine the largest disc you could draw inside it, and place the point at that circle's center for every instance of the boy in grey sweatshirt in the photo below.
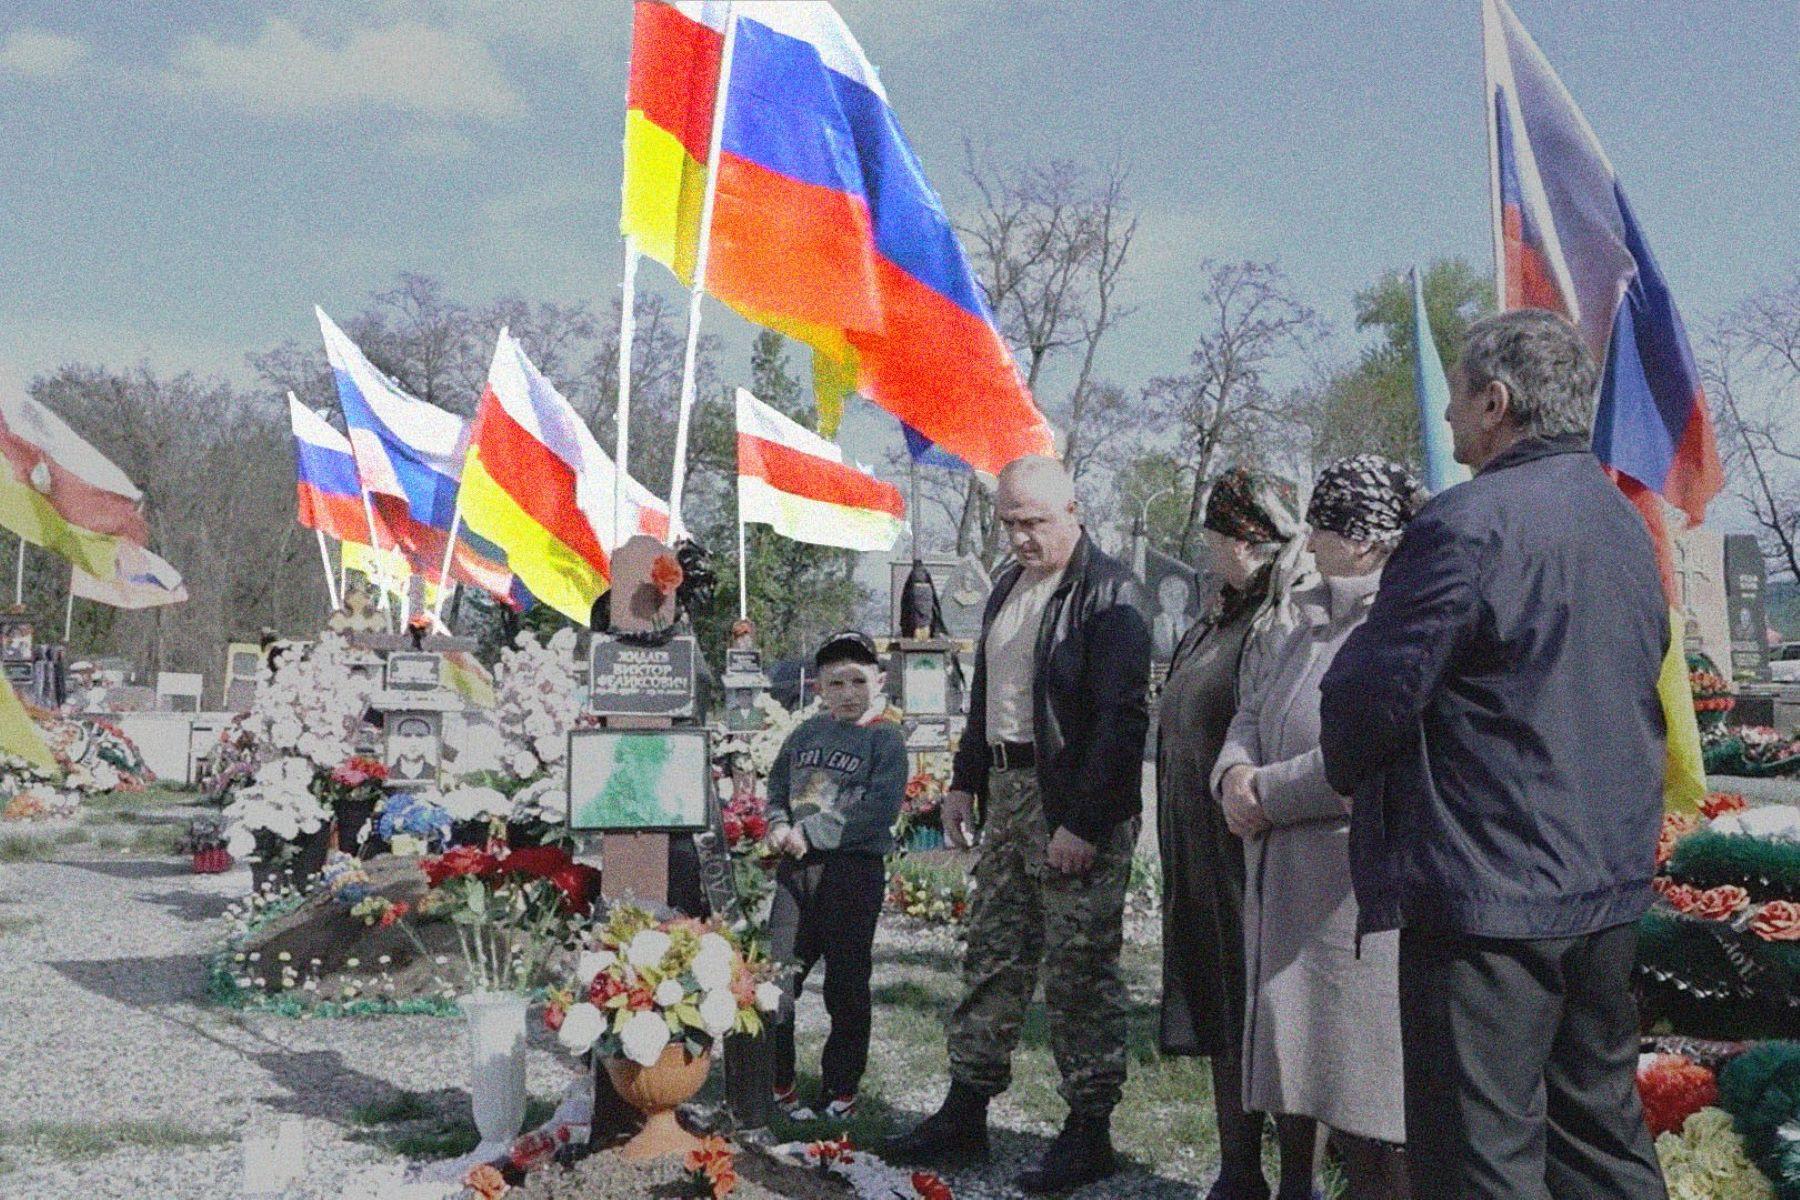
(834, 795)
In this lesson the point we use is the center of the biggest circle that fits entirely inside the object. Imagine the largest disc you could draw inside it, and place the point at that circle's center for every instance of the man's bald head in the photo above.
(1036, 505)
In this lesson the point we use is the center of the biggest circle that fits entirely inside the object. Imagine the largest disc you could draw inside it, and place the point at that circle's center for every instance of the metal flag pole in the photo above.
(743, 559)
(19, 582)
(913, 504)
(678, 477)
(325, 557)
(622, 412)
(449, 554)
(69, 609)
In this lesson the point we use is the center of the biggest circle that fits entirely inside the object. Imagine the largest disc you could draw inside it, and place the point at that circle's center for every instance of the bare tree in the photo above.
(1050, 242)
(1752, 372)
(1227, 403)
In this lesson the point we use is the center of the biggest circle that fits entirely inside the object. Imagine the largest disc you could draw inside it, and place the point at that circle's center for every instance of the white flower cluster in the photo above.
(645, 1034)
(766, 743)
(312, 705)
(278, 800)
(536, 702)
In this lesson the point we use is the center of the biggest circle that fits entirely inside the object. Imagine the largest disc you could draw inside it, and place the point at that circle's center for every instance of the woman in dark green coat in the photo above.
(1251, 526)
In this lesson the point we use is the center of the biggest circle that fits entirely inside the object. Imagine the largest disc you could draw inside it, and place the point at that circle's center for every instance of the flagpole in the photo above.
(622, 411)
(678, 477)
(69, 610)
(1489, 19)
(381, 573)
(343, 577)
(743, 559)
(325, 557)
(19, 582)
(913, 502)
(449, 553)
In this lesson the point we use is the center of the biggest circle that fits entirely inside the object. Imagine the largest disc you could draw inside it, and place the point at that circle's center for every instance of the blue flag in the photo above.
(1432, 391)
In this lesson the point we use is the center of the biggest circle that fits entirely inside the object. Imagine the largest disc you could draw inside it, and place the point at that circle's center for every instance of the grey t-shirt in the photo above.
(1011, 648)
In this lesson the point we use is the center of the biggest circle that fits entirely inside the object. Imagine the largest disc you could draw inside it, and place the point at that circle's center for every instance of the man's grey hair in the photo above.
(1547, 370)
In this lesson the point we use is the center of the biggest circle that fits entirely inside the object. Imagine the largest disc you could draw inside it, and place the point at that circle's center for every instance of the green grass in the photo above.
(157, 795)
(36, 847)
(406, 1125)
(78, 1141)
(402, 1106)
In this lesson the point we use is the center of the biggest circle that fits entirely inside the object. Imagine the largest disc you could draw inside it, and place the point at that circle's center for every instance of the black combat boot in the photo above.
(1081, 1153)
(955, 1135)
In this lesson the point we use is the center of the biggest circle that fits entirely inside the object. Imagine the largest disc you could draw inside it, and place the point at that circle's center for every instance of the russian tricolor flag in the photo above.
(329, 498)
(409, 456)
(1566, 240)
(824, 227)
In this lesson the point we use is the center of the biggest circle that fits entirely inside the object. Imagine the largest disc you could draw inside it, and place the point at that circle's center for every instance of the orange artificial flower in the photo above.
(486, 1182)
(666, 574)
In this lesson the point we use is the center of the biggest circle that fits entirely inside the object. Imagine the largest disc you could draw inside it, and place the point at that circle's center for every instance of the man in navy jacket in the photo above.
(1496, 721)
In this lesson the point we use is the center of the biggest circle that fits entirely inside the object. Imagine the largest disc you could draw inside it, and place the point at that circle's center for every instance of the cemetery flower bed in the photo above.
(1726, 1117)
(1719, 953)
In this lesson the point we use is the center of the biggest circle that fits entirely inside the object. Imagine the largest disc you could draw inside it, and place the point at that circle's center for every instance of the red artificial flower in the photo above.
(1777, 921)
(457, 862)
(666, 574)
(486, 1182)
(1683, 898)
(554, 1016)
(1673, 1089)
(831, 1150)
(1721, 903)
(1675, 826)
(579, 884)
(929, 1187)
(734, 830)
(394, 912)
(1717, 804)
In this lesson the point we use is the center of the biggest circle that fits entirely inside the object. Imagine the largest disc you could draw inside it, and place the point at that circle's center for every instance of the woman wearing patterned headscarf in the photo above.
(1322, 1021)
(1252, 529)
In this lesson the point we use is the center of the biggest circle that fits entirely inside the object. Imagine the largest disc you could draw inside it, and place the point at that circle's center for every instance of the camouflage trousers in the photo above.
(1026, 914)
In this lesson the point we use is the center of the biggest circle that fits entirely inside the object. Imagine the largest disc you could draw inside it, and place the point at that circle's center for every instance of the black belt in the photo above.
(1011, 756)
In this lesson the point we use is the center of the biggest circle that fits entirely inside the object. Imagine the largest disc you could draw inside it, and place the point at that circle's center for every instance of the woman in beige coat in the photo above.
(1322, 1021)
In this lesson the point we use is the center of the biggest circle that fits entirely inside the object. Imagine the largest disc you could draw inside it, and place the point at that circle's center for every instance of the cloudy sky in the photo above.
(181, 183)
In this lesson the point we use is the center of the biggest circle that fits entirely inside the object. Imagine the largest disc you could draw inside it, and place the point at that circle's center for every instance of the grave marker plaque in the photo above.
(628, 680)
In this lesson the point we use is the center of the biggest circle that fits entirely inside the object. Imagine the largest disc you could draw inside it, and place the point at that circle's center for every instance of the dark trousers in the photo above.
(826, 907)
(1521, 1061)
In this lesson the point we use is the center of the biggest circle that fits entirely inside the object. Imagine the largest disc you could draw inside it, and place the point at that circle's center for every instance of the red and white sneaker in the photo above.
(841, 1109)
(787, 1103)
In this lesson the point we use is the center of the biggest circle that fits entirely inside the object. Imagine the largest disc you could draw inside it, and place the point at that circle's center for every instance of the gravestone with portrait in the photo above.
(1746, 579)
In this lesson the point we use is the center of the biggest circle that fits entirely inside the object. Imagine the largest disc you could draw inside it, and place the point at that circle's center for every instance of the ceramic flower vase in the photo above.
(496, 1069)
(656, 1091)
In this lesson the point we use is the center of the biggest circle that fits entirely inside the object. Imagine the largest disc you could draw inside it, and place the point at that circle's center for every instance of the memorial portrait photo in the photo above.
(638, 779)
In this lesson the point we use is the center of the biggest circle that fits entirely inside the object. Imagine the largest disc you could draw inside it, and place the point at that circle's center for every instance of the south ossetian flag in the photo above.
(1565, 239)
(797, 483)
(537, 485)
(824, 227)
(409, 457)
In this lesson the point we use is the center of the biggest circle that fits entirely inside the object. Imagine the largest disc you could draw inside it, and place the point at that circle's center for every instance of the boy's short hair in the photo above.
(847, 645)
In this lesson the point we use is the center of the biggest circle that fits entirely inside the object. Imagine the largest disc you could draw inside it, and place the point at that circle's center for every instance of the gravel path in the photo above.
(107, 1033)
(125, 1082)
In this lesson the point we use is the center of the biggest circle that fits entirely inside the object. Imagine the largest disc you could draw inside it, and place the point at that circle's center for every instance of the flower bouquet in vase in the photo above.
(351, 790)
(651, 999)
(921, 822)
(513, 910)
(1713, 699)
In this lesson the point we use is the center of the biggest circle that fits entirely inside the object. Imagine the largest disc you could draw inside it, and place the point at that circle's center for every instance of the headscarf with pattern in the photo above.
(1366, 498)
(1253, 506)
